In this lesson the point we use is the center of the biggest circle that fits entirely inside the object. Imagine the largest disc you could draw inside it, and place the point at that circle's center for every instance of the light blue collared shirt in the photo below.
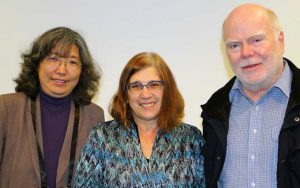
(252, 140)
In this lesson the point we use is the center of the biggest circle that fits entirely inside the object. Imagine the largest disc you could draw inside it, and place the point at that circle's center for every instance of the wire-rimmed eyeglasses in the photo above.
(55, 61)
(153, 85)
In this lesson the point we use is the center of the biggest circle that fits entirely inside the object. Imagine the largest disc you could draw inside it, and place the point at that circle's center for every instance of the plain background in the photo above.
(186, 33)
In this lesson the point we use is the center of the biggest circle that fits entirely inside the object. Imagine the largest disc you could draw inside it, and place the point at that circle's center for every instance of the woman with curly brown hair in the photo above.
(44, 124)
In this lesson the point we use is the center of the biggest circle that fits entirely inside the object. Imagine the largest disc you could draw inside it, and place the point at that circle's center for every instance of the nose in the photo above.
(146, 93)
(247, 50)
(62, 67)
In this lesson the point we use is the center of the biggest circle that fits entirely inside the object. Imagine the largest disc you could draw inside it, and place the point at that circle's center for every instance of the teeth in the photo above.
(148, 104)
(60, 81)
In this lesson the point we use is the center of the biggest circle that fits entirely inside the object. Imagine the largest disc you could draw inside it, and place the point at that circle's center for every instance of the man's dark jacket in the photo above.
(215, 114)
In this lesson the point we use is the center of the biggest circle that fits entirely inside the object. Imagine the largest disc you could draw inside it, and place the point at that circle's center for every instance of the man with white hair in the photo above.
(252, 124)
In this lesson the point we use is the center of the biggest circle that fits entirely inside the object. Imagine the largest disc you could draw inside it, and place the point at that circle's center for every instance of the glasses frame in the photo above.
(141, 86)
(55, 61)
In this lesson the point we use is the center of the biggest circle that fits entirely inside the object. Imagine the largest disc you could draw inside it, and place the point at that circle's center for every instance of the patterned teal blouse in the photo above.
(112, 157)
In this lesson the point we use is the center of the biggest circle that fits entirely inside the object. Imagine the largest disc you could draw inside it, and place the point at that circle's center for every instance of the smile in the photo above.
(60, 81)
(146, 105)
(250, 66)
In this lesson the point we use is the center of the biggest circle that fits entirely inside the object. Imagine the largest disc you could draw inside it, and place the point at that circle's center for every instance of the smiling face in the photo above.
(146, 103)
(254, 47)
(58, 79)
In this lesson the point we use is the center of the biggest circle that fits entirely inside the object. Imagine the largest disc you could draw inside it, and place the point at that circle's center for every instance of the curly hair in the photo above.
(62, 37)
(171, 113)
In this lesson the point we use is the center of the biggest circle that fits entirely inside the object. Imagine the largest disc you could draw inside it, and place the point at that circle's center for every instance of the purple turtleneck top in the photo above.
(55, 114)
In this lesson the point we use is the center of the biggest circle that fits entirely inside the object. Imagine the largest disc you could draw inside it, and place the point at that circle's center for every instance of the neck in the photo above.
(147, 134)
(146, 126)
(255, 95)
(53, 100)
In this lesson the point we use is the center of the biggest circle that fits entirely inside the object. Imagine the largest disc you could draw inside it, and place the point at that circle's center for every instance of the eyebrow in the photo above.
(257, 35)
(252, 36)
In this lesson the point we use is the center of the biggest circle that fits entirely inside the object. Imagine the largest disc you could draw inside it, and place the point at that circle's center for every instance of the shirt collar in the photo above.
(283, 83)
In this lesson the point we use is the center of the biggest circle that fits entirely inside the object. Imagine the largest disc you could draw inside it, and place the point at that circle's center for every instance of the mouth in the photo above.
(148, 105)
(250, 66)
(59, 82)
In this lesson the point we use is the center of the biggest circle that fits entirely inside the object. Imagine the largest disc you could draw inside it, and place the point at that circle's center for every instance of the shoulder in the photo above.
(108, 125)
(13, 97)
(187, 128)
(218, 103)
(107, 129)
(188, 133)
(13, 107)
(92, 107)
(94, 112)
(221, 95)
(13, 100)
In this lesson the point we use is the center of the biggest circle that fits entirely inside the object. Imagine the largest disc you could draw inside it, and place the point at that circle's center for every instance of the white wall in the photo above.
(186, 33)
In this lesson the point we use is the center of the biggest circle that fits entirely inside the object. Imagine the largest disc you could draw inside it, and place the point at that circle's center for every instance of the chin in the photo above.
(252, 80)
(149, 118)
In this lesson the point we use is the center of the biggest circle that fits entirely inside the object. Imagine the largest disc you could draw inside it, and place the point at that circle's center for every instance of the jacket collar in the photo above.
(295, 88)
(218, 106)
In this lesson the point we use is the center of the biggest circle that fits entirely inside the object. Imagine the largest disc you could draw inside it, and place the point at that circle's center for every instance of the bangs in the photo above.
(62, 48)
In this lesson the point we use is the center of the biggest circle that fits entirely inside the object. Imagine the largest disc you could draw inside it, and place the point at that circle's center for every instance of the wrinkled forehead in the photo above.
(246, 24)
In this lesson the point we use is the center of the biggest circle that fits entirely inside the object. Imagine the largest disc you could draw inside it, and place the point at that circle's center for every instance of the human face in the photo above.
(146, 104)
(254, 48)
(59, 76)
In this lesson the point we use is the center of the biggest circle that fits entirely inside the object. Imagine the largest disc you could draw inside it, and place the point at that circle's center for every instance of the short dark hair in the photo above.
(62, 37)
(172, 109)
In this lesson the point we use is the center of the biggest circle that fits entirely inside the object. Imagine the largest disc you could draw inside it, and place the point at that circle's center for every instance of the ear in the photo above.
(281, 39)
